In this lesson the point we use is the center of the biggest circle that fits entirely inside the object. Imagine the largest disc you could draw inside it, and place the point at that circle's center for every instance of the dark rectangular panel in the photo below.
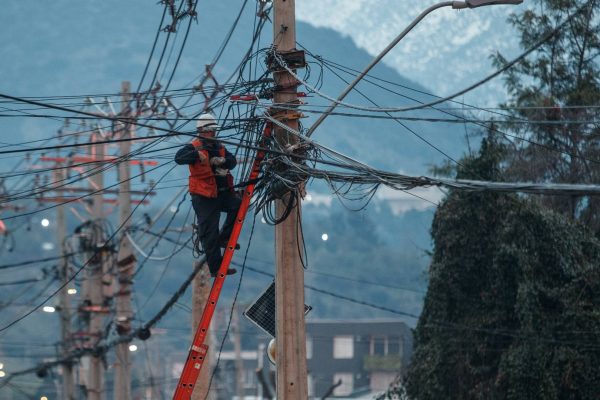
(262, 311)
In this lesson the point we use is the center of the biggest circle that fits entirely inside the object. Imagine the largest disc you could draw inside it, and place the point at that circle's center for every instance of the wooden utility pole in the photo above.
(200, 291)
(68, 387)
(237, 348)
(289, 276)
(95, 295)
(125, 257)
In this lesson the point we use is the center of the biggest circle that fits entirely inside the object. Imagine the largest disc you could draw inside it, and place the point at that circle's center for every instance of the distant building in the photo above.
(365, 355)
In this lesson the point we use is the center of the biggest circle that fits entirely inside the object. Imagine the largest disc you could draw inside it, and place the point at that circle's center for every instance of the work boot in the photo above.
(223, 245)
(230, 271)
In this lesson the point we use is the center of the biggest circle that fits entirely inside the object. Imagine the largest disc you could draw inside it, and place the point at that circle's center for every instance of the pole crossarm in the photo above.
(88, 159)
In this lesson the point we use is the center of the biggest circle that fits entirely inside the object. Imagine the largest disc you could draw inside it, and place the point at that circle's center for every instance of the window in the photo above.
(343, 347)
(309, 347)
(347, 383)
(384, 346)
(394, 345)
(378, 345)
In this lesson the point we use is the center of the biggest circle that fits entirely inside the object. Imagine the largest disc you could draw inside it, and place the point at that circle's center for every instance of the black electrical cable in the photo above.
(99, 349)
(64, 284)
(168, 262)
(38, 261)
(180, 52)
(164, 231)
(483, 124)
(420, 137)
(86, 195)
(342, 297)
(74, 145)
(152, 50)
(126, 157)
(481, 82)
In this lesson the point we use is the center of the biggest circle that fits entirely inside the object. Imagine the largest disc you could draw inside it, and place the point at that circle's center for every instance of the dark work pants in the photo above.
(208, 212)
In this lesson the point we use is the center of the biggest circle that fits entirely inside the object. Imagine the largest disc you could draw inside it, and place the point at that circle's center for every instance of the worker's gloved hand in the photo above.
(217, 161)
(221, 171)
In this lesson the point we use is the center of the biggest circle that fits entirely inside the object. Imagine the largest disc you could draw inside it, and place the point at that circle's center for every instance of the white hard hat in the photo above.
(207, 121)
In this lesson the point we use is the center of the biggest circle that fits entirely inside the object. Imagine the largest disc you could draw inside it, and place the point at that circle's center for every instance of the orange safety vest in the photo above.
(202, 178)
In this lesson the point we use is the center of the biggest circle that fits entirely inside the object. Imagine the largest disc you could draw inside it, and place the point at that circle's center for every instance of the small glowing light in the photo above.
(324, 237)
(72, 291)
(263, 220)
(132, 347)
(43, 398)
(308, 197)
(45, 222)
(1, 365)
(173, 209)
(47, 246)
(2, 374)
(48, 309)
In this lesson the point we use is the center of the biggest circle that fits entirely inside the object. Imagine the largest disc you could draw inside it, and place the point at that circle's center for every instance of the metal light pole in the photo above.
(453, 4)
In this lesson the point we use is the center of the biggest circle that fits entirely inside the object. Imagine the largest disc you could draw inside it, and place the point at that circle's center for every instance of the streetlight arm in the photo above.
(453, 4)
(480, 3)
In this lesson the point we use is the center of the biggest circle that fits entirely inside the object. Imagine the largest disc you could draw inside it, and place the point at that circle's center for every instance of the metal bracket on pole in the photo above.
(294, 59)
(285, 115)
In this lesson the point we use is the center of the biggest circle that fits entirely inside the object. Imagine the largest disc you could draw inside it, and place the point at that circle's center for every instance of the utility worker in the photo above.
(211, 188)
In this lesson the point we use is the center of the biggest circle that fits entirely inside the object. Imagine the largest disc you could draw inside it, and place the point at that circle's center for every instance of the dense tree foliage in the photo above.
(513, 306)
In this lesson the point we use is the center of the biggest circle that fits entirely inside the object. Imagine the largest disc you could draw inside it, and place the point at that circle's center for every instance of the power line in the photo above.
(493, 127)
(101, 167)
(101, 348)
(342, 297)
(404, 182)
(75, 145)
(38, 261)
(153, 48)
(481, 82)
(94, 192)
(63, 285)
(115, 232)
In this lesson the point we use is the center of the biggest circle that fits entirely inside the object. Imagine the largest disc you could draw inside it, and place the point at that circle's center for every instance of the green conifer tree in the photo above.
(557, 89)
